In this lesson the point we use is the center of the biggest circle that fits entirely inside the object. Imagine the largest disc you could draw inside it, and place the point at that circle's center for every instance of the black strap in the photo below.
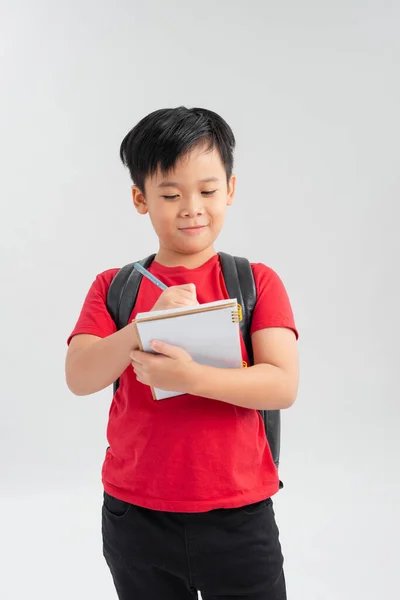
(240, 284)
(125, 284)
(122, 294)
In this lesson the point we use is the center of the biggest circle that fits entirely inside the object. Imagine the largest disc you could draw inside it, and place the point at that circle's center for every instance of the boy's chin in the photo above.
(193, 246)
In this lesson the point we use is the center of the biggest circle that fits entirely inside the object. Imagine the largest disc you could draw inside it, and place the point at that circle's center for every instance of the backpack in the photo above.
(239, 282)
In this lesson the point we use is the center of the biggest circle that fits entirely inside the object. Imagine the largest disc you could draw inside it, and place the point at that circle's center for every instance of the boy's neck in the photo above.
(169, 258)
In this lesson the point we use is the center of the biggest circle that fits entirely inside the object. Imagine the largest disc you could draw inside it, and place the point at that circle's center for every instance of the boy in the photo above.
(187, 481)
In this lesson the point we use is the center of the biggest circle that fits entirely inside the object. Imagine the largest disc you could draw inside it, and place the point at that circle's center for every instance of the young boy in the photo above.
(187, 481)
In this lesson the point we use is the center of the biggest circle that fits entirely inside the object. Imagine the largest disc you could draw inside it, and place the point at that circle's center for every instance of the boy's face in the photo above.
(187, 206)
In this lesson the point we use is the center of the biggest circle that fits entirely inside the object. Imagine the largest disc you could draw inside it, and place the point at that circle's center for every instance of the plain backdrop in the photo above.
(311, 90)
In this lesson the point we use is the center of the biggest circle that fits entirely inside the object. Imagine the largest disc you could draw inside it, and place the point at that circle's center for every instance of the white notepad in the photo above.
(210, 333)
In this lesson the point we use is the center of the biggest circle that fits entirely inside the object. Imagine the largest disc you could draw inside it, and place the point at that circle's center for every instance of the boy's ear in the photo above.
(231, 190)
(139, 200)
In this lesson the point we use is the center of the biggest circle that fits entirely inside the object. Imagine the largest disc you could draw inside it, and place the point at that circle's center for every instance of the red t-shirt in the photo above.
(186, 454)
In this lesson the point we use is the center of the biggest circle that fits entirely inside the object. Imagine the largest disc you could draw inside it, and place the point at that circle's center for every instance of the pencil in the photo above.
(150, 276)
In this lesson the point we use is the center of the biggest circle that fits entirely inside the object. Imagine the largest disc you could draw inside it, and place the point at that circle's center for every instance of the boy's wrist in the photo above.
(133, 336)
(196, 379)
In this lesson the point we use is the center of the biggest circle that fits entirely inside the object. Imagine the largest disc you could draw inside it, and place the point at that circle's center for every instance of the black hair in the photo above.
(166, 135)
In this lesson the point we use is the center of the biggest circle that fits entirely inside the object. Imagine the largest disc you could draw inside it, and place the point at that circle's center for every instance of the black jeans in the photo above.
(224, 553)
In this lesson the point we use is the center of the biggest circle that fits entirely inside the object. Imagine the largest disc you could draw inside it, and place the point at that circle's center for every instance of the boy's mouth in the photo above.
(193, 230)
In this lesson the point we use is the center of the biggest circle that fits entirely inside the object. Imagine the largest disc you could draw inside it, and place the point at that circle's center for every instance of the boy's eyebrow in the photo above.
(174, 184)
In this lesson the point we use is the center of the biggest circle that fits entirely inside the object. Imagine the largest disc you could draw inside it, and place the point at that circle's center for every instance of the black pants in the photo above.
(225, 553)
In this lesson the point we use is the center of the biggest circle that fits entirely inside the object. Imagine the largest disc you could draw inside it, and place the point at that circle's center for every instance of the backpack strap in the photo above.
(239, 282)
(122, 294)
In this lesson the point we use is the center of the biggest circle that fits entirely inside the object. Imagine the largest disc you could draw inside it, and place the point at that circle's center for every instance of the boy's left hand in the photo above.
(171, 369)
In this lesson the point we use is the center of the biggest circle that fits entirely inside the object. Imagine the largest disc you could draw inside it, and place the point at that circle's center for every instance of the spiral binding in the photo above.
(237, 315)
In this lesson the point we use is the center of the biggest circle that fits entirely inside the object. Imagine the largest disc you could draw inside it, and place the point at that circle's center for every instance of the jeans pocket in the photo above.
(114, 507)
(256, 508)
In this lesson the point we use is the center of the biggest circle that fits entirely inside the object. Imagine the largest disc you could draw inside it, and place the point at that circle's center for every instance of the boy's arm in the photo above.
(94, 363)
(271, 384)
(268, 385)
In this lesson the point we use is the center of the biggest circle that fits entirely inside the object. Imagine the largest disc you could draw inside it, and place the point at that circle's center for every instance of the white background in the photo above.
(311, 90)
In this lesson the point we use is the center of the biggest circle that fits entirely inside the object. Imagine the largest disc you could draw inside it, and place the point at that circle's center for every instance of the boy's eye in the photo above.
(210, 193)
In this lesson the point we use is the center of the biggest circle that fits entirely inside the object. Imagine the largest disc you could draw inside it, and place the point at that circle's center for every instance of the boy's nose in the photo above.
(192, 208)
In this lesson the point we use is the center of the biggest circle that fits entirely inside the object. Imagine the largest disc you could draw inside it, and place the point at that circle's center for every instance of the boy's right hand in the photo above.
(177, 296)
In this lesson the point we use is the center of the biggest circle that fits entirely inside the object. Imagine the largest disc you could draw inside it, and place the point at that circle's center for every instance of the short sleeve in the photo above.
(94, 318)
(273, 308)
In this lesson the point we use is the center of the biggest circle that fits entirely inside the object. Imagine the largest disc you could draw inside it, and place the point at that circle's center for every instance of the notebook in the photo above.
(210, 333)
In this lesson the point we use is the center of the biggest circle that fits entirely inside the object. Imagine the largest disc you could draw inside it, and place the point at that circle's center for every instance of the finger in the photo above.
(184, 302)
(138, 357)
(177, 293)
(137, 370)
(140, 378)
(167, 349)
(189, 287)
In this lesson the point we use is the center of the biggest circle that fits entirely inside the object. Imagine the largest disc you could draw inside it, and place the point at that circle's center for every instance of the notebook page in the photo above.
(211, 338)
